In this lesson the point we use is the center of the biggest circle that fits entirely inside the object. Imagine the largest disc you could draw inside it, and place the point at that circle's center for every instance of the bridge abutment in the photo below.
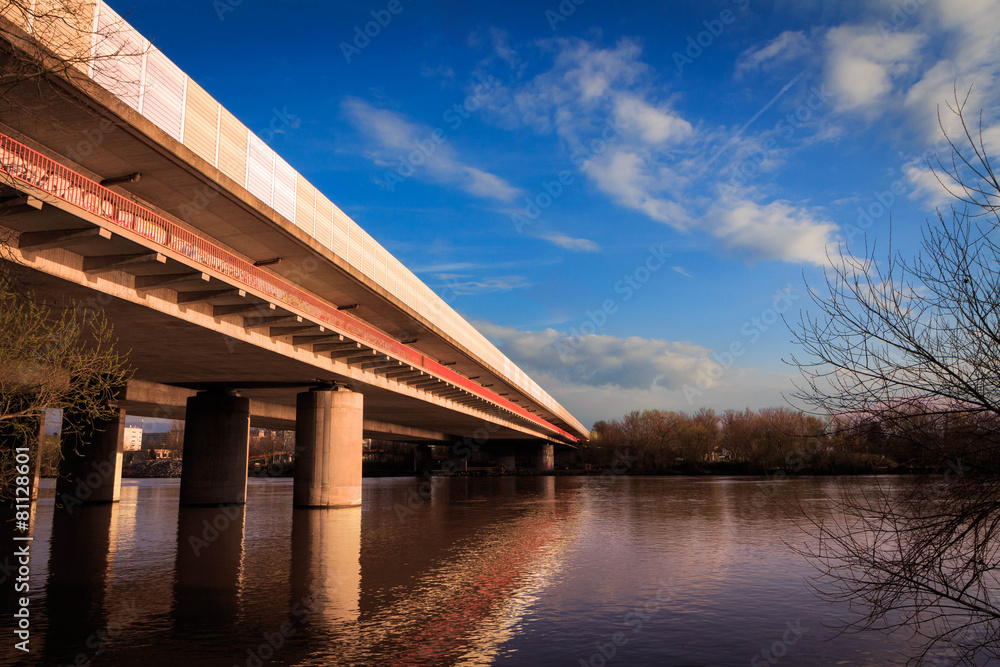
(216, 449)
(329, 427)
(90, 470)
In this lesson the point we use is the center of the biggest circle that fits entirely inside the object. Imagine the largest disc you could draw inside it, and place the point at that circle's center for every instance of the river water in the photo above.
(460, 571)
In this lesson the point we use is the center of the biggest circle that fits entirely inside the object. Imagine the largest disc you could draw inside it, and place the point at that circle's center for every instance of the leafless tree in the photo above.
(52, 356)
(51, 359)
(909, 349)
(46, 44)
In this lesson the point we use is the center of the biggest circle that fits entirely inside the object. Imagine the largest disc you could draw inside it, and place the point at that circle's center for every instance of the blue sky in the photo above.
(622, 196)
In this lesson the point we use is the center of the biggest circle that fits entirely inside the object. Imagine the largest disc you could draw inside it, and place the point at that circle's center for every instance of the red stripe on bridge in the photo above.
(33, 168)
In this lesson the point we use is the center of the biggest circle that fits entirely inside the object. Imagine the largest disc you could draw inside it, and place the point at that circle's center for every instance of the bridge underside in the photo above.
(99, 137)
(175, 260)
(166, 350)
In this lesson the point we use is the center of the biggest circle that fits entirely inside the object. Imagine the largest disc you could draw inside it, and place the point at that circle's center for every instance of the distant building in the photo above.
(133, 438)
(720, 454)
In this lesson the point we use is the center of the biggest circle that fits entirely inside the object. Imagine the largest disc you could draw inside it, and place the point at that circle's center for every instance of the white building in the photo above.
(133, 438)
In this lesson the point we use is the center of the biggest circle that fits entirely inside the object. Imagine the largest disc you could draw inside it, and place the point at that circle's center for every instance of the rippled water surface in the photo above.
(521, 571)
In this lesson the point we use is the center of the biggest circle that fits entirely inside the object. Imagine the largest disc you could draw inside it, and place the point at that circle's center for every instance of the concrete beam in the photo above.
(243, 309)
(172, 280)
(59, 238)
(104, 263)
(267, 322)
(207, 296)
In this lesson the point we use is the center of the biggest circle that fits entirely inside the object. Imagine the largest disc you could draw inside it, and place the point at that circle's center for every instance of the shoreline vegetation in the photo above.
(775, 442)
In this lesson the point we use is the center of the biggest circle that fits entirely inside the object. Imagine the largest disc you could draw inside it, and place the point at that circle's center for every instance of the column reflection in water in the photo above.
(209, 567)
(80, 556)
(326, 565)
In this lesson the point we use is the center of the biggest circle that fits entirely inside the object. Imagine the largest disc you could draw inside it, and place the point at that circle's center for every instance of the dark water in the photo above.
(521, 571)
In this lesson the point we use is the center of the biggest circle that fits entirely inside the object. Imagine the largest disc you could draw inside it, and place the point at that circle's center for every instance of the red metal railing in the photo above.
(30, 166)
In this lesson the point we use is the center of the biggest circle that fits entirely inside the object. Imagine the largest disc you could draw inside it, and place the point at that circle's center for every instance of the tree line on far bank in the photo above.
(915, 439)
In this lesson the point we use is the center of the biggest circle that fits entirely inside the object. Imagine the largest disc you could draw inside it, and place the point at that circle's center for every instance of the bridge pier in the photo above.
(459, 462)
(329, 427)
(216, 449)
(90, 470)
(422, 459)
(545, 457)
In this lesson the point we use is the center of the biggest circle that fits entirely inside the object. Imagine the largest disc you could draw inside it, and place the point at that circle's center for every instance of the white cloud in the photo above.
(628, 179)
(864, 64)
(570, 243)
(409, 146)
(652, 124)
(602, 361)
(463, 284)
(621, 130)
(776, 230)
(789, 45)
(925, 185)
(968, 56)
(606, 376)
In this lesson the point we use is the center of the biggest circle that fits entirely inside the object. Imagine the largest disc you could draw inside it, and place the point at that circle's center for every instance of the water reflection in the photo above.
(326, 565)
(81, 547)
(472, 571)
(209, 569)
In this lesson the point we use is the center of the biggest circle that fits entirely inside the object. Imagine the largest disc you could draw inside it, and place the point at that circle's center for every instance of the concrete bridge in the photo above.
(244, 294)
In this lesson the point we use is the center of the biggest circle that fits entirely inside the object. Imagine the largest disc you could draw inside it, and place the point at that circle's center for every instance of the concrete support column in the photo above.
(422, 460)
(328, 432)
(459, 462)
(545, 457)
(91, 467)
(216, 449)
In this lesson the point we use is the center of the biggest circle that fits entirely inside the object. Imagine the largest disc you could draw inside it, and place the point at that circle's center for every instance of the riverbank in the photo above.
(168, 468)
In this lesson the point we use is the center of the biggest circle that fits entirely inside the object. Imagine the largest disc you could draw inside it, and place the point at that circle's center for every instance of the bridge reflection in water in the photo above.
(398, 582)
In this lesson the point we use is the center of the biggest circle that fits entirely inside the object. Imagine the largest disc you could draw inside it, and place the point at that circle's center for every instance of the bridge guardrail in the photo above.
(30, 166)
